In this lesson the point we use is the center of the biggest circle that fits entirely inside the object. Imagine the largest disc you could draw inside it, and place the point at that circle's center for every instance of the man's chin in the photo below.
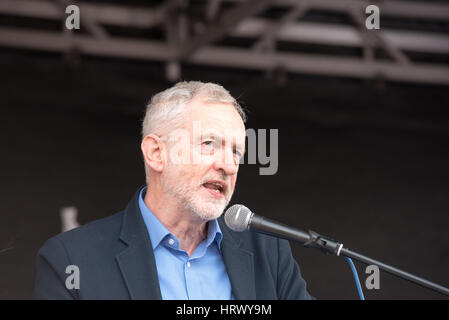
(209, 211)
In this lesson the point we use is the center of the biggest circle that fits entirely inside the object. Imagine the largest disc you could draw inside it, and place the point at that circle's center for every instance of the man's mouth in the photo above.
(216, 188)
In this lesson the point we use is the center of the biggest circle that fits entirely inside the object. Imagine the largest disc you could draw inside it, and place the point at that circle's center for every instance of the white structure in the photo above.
(191, 36)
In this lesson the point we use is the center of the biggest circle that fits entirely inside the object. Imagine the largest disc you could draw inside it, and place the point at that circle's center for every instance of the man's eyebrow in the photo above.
(211, 134)
(219, 137)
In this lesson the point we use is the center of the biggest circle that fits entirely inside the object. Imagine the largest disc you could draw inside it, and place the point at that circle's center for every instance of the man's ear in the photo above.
(153, 152)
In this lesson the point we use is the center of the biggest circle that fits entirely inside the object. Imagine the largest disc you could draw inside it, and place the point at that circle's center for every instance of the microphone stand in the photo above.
(330, 246)
(311, 239)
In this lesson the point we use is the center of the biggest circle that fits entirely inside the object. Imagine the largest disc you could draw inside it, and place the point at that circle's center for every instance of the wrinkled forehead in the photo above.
(217, 119)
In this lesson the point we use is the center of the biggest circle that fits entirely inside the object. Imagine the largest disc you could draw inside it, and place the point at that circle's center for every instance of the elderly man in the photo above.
(170, 242)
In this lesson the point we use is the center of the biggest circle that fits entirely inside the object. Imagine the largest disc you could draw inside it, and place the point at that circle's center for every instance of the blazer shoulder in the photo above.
(89, 248)
(92, 233)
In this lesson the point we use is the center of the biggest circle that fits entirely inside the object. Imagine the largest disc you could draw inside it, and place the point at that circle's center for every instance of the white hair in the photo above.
(165, 110)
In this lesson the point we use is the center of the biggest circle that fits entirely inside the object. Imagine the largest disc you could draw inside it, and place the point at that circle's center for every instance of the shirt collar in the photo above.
(159, 232)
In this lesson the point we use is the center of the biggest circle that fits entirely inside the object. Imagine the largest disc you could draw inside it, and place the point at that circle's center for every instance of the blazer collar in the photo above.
(239, 264)
(136, 262)
(138, 265)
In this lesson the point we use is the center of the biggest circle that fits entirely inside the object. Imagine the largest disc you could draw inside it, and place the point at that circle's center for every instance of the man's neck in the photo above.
(190, 229)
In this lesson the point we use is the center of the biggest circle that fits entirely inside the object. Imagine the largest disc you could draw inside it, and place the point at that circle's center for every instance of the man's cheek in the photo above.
(203, 159)
(231, 189)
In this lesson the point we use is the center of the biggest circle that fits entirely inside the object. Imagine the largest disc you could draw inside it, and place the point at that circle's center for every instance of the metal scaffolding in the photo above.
(201, 36)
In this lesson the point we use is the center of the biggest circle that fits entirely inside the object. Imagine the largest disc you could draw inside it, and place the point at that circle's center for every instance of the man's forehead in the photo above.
(215, 116)
(202, 107)
(228, 134)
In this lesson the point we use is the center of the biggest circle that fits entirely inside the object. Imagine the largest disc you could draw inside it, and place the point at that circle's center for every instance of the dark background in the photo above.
(364, 162)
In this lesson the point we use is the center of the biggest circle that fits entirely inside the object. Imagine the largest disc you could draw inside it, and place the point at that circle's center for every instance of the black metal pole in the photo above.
(312, 239)
(397, 272)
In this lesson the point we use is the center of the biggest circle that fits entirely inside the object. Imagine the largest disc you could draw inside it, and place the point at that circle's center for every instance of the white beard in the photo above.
(192, 197)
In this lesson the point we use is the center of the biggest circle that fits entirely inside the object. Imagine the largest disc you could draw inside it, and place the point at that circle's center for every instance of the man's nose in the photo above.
(226, 162)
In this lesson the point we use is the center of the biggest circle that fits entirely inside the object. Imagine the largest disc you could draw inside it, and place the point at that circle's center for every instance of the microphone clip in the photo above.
(326, 245)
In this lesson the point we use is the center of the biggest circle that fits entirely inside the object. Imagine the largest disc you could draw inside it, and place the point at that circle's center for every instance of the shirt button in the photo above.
(188, 264)
(171, 241)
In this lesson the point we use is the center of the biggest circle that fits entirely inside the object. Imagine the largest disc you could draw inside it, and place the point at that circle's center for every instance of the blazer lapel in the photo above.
(239, 265)
(138, 266)
(136, 262)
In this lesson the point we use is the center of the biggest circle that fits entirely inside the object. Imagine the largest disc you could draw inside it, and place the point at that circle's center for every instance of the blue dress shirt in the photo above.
(201, 276)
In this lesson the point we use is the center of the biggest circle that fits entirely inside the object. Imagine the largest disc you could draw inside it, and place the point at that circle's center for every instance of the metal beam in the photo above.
(223, 25)
(112, 47)
(226, 57)
(89, 21)
(397, 8)
(318, 33)
(341, 35)
(212, 9)
(323, 65)
(268, 38)
(108, 14)
(370, 37)
(121, 15)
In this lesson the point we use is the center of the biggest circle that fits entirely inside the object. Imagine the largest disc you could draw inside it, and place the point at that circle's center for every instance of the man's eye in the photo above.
(208, 146)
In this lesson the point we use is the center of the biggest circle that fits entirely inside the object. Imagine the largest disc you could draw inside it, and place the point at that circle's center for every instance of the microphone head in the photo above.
(238, 217)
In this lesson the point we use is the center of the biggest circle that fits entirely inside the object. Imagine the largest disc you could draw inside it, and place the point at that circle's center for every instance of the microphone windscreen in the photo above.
(237, 217)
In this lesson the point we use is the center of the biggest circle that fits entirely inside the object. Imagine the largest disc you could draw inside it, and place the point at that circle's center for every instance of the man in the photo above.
(170, 242)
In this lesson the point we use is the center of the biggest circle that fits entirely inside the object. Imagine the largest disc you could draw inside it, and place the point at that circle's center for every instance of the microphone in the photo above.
(239, 218)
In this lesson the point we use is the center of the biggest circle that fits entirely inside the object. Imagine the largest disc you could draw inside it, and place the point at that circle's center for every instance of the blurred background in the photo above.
(362, 116)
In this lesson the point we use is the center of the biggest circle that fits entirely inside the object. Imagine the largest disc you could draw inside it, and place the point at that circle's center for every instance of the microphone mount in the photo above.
(326, 245)
(240, 218)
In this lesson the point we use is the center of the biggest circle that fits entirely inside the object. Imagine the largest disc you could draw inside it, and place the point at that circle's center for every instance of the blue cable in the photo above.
(356, 278)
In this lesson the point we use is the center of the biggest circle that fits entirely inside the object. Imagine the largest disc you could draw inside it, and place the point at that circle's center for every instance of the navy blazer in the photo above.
(116, 261)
